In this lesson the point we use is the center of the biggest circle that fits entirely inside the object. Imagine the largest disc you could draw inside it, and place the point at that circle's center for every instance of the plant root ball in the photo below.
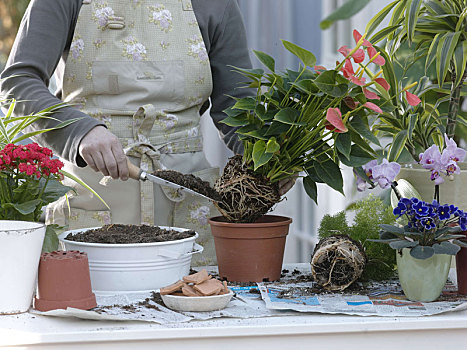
(245, 195)
(337, 262)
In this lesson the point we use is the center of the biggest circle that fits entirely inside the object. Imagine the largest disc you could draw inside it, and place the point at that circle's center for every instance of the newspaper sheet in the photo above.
(294, 294)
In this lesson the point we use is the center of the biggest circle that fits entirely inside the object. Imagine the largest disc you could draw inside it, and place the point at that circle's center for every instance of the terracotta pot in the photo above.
(461, 269)
(250, 252)
(64, 281)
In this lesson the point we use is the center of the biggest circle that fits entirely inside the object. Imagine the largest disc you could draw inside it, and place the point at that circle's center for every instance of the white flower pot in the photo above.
(20, 250)
(451, 191)
(135, 267)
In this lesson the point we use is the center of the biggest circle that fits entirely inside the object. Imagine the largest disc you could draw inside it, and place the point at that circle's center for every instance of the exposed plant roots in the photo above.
(245, 196)
(337, 262)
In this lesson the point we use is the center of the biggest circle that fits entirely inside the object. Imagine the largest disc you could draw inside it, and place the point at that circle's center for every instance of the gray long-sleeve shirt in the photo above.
(43, 43)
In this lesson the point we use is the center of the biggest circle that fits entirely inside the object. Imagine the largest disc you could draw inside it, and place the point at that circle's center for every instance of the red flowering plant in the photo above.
(309, 120)
(30, 177)
(29, 180)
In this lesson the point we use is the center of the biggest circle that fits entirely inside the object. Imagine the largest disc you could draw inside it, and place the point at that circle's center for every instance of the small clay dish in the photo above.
(208, 303)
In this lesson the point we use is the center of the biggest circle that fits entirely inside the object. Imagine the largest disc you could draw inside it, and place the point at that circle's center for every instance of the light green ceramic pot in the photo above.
(422, 279)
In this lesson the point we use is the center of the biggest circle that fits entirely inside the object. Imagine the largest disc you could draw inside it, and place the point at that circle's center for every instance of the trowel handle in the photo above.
(134, 171)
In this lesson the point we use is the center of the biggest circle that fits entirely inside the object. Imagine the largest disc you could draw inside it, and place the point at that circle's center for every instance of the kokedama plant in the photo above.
(369, 214)
(299, 121)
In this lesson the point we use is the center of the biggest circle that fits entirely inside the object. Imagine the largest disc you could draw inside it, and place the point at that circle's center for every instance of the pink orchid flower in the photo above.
(412, 99)
(373, 107)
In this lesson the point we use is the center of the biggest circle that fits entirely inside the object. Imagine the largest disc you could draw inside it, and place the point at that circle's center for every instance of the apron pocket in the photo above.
(128, 85)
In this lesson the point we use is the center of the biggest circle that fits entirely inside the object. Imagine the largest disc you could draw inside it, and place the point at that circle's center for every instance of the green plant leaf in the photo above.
(86, 186)
(344, 144)
(54, 191)
(327, 82)
(413, 118)
(362, 128)
(288, 116)
(378, 18)
(277, 128)
(265, 59)
(347, 10)
(358, 157)
(383, 34)
(400, 244)
(330, 173)
(397, 146)
(445, 54)
(239, 120)
(246, 103)
(260, 156)
(405, 189)
(50, 240)
(413, 11)
(305, 56)
(272, 146)
(422, 252)
(306, 85)
(433, 49)
(460, 60)
(460, 243)
(310, 188)
(26, 207)
(392, 229)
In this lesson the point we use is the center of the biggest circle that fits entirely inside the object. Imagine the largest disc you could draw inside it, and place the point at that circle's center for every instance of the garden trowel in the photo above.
(139, 174)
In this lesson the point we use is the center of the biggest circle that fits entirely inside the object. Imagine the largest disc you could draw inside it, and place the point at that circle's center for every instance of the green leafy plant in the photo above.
(29, 177)
(437, 32)
(369, 214)
(302, 121)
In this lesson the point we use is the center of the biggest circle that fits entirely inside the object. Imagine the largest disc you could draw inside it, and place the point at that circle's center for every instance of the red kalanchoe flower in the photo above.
(334, 121)
(412, 99)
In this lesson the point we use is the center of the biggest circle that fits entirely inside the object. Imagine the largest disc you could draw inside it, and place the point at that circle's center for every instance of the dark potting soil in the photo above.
(189, 181)
(121, 234)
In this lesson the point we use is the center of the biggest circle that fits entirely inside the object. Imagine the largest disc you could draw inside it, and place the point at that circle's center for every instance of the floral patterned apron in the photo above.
(141, 67)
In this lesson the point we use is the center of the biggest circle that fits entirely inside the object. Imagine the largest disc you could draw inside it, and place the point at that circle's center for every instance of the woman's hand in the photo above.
(103, 152)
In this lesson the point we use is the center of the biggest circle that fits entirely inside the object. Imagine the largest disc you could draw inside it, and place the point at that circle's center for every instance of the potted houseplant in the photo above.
(29, 179)
(299, 121)
(426, 243)
(435, 34)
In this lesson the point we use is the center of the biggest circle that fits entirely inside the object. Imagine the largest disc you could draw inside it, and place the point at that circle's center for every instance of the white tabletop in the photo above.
(300, 331)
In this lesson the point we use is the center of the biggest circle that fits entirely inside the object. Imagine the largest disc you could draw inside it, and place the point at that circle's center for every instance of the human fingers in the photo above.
(121, 160)
(110, 162)
(100, 163)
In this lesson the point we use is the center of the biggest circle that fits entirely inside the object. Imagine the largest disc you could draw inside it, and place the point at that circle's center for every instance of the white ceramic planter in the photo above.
(451, 191)
(422, 279)
(20, 250)
(138, 267)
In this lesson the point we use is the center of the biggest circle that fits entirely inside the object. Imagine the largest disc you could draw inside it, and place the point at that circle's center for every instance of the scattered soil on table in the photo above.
(121, 234)
(189, 181)
(147, 305)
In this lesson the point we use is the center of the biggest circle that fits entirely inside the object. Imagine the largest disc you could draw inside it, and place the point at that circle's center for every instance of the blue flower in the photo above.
(444, 212)
(421, 209)
(428, 223)
(452, 209)
(414, 200)
(400, 210)
(463, 222)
